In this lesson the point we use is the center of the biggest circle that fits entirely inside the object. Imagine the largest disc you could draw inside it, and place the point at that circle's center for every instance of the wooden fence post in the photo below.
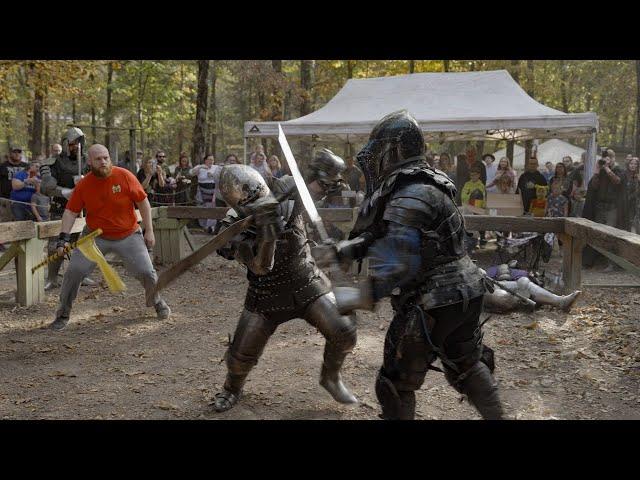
(30, 285)
(571, 261)
(173, 240)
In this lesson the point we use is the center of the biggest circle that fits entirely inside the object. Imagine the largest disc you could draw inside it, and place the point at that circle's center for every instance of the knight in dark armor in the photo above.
(60, 174)
(412, 232)
(284, 282)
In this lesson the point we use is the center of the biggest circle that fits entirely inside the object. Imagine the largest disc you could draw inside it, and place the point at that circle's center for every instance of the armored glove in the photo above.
(361, 297)
(343, 251)
(268, 221)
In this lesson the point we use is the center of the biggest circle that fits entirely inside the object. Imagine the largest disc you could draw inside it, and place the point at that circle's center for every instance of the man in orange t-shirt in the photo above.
(108, 195)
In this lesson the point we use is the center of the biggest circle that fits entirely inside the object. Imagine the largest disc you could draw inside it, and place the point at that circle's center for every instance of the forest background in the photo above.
(201, 106)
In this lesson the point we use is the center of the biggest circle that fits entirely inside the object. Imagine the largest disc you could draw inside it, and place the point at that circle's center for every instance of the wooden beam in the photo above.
(52, 228)
(613, 240)
(15, 231)
(217, 213)
(628, 266)
(476, 223)
(9, 254)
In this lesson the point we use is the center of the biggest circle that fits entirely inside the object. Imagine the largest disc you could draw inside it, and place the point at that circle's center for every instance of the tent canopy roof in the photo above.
(448, 106)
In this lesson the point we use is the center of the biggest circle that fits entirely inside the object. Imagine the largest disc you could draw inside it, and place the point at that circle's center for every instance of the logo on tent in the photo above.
(254, 129)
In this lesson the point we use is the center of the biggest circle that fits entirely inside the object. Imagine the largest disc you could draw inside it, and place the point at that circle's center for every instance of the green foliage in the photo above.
(158, 97)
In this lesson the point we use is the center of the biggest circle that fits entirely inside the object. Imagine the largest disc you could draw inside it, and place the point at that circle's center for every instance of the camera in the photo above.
(601, 163)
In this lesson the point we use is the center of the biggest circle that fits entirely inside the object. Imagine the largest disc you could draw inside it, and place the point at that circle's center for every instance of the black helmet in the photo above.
(326, 167)
(395, 141)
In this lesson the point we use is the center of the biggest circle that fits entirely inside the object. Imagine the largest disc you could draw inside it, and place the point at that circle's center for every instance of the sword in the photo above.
(172, 273)
(177, 269)
(307, 201)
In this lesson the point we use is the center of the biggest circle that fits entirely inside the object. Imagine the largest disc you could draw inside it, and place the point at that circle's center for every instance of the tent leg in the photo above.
(590, 158)
(244, 157)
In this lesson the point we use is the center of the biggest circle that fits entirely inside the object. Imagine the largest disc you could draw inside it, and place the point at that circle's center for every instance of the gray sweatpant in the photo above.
(133, 252)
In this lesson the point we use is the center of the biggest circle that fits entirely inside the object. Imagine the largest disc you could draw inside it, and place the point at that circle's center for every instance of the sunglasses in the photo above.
(161, 156)
(16, 151)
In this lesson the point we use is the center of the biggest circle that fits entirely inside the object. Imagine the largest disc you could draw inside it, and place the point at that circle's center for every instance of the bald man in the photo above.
(108, 194)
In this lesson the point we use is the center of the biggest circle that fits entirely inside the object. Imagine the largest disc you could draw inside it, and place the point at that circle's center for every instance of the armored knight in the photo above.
(59, 177)
(520, 281)
(284, 282)
(325, 183)
(412, 232)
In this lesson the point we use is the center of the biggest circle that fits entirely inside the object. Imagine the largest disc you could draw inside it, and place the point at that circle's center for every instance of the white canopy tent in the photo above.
(487, 105)
(550, 151)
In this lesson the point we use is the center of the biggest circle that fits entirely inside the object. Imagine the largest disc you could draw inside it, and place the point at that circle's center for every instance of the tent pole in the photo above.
(244, 156)
(590, 158)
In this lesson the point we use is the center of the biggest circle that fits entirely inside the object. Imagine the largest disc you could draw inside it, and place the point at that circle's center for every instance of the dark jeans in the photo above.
(21, 212)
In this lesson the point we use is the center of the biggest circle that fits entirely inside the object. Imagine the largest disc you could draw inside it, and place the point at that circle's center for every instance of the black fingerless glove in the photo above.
(63, 238)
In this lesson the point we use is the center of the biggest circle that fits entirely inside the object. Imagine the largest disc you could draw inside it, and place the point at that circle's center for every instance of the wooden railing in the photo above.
(173, 240)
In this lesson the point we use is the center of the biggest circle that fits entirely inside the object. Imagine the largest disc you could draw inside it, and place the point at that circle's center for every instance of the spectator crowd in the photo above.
(612, 196)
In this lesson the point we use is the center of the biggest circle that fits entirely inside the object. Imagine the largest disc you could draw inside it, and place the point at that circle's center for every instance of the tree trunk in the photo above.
(528, 145)
(201, 111)
(35, 145)
(73, 111)
(181, 107)
(108, 113)
(515, 70)
(623, 141)
(445, 65)
(510, 145)
(637, 135)
(350, 66)
(563, 86)
(306, 67)
(47, 123)
(412, 66)
(213, 113)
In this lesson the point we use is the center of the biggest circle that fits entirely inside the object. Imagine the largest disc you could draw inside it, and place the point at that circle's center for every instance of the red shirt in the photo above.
(109, 202)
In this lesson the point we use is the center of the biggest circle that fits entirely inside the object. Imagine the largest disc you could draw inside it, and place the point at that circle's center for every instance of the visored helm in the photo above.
(395, 141)
(241, 185)
(326, 168)
(72, 135)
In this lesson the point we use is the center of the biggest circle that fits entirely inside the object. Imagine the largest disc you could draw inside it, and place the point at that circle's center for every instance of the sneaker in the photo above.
(59, 323)
(50, 285)
(163, 310)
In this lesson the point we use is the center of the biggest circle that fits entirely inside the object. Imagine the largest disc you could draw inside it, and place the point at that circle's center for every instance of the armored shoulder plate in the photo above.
(370, 209)
(414, 205)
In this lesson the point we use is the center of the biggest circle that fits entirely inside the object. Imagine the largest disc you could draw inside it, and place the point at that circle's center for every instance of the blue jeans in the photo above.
(21, 212)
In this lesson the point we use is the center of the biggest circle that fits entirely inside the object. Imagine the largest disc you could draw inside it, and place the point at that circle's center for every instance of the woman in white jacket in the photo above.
(208, 176)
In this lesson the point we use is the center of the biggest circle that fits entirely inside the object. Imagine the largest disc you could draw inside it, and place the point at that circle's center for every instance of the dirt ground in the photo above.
(116, 360)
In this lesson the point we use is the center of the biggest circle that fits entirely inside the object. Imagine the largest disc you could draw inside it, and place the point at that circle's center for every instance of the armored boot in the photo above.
(545, 297)
(330, 378)
(229, 396)
(396, 405)
(479, 387)
(52, 274)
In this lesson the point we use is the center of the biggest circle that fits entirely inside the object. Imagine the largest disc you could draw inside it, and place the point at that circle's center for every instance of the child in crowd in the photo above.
(40, 205)
(538, 206)
(473, 191)
(557, 203)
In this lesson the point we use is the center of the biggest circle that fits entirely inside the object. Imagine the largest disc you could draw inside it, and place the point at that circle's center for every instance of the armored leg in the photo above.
(251, 336)
(340, 333)
(545, 297)
(407, 357)
(472, 361)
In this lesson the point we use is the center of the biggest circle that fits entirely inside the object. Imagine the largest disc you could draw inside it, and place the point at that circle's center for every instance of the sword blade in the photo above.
(177, 269)
(307, 201)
